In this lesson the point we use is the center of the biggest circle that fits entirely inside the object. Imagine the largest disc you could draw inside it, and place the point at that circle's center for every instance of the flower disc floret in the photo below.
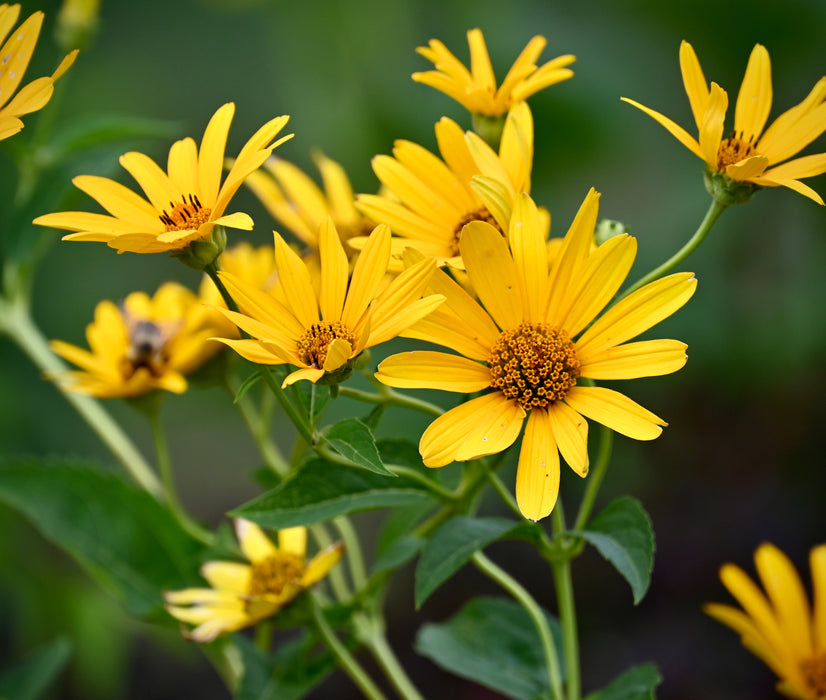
(185, 215)
(315, 341)
(273, 574)
(534, 363)
(814, 671)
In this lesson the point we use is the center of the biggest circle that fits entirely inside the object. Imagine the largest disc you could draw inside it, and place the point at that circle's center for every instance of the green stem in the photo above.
(567, 610)
(18, 324)
(371, 632)
(212, 271)
(292, 412)
(336, 577)
(352, 546)
(606, 442)
(168, 480)
(436, 489)
(512, 586)
(504, 493)
(346, 660)
(388, 397)
(708, 221)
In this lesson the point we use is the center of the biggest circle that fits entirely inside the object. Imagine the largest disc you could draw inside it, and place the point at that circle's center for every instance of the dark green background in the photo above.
(742, 461)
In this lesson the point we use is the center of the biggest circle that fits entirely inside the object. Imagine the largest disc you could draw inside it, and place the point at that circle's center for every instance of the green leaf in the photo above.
(29, 679)
(127, 540)
(322, 490)
(622, 534)
(451, 546)
(399, 553)
(353, 440)
(494, 642)
(247, 384)
(637, 683)
(311, 397)
(289, 674)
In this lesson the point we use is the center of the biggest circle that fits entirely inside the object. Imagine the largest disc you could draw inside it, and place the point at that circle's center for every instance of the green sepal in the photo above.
(727, 191)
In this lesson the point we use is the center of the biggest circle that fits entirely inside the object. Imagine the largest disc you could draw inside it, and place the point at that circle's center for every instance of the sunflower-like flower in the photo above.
(144, 344)
(746, 156)
(433, 199)
(15, 55)
(244, 594)
(476, 90)
(531, 343)
(322, 334)
(184, 204)
(301, 206)
(779, 626)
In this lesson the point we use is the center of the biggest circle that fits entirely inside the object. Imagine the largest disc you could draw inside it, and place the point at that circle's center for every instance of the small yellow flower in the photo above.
(431, 199)
(298, 204)
(746, 155)
(475, 89)
(146, 343)
(531, 341)
(14, 59)
(323, 333)
(780, 627)
(244, 594)
(184, 205)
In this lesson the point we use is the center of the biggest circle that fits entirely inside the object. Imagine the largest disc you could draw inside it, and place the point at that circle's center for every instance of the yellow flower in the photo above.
(146, 343)
(531, 342)
(14, 59)
(297, 203)
(322, 334)
(244, 594)
(475, 89)
(779, 627)
(184, 205)
(433, 199)
(745, 155)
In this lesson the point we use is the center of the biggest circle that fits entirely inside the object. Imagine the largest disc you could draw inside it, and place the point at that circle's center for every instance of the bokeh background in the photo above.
(742, 461)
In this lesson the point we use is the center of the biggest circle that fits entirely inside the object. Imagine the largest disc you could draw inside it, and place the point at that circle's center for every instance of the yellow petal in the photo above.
(295, 280)
(293, 540)
(694, 81)
(446, 436)
(310, 374)
(570, 430)
(495, 430)
(227, 575)
(17, 52)
(673, 128)
(785, 128)
(335, 271)
(750, 635)
(537, 475)
(153, 180)
(711, 130)
(817, 564)
(255, 545)
(368, 273)
(647, 358)
(615, 411)
(754, 101)
(338, 352)
(516, 146)
(747, 168)
(492, 273)
(211, 154)
(119, 201)
(338, 189)
(321, 564)
(795, 185)
(263, 307)
(252, 350)
(527, 243)
(426, 369)
(807, 166)
(480, 66)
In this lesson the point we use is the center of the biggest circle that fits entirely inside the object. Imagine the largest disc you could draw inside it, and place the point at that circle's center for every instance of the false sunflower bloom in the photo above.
(301, 206)
(184, 204)
(15, 55)
(779, 626)
(432, 199)
(749, 154)
(144, 344)
(322, 334)
(476, 90)
(529, 344)
(241, 595)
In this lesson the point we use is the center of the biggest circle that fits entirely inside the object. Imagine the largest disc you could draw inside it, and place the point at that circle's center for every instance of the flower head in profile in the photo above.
(301, 206)
(142, 345)
(322, 334)
(15, 55)
(241, 595)
(430, 199)
(777, 624)
(749, 154)
(184, 209)
(528, 345)
(476, 90)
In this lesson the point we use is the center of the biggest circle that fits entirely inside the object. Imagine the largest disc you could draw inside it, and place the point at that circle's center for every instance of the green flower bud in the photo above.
(201, 254)
(608, 228)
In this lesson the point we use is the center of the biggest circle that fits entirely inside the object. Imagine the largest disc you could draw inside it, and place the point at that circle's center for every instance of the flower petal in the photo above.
(673, 128)
(335, 271)
(296, 283)
(368, 272)
(647, 358)
(255, 545)
(321, 564)
(615, 411)
(754, 101)
(426, 369)
(226, 575)
(537, 475)
(711, 130)
(570, 431)
(694, 82)
(211, 154)
(293, 540)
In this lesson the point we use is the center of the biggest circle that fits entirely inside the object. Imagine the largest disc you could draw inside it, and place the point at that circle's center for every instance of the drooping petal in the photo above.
(570, 432)
(615, 411)
(673, 128)
(537, 475)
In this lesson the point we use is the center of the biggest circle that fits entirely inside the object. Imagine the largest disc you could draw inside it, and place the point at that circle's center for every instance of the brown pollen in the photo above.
(271, 575)
(315, 341)
(534, 363)
(185, 215)
(734, 149)
(814, 673)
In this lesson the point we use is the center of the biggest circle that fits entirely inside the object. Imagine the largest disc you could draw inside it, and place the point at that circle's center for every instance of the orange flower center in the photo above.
(814, 673)
(185, 215)
(271, 575)
(315, 341)
(534, 363)
(478, 215)
(733, 150)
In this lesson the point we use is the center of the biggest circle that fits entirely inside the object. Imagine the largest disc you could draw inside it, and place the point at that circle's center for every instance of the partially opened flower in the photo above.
(322, 334)
(142, 345)
(476, 90)
(241, 595)
(183, 206)
(749, 154)
(432, 199)
(301, 206)
(778, 625)
(530, 344)
(15, 55)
